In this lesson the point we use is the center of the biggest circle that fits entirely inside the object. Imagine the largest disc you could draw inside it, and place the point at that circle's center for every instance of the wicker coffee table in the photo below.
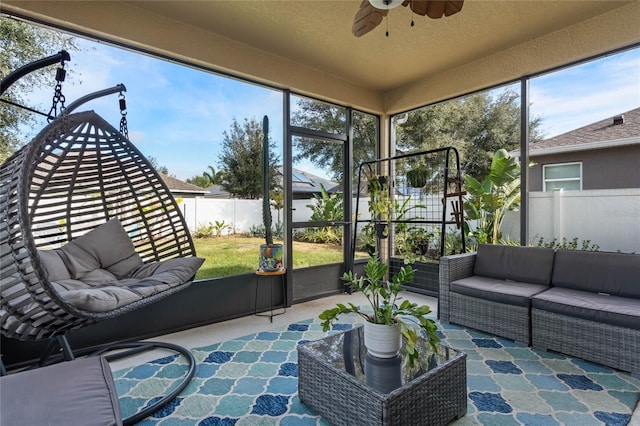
(347, 386)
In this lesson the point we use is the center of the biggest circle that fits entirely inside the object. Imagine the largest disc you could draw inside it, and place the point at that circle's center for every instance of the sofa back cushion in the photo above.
(616, 274)
(525, 264)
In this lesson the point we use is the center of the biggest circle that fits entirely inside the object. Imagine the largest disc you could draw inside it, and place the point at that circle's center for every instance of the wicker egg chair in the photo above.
(78, 174)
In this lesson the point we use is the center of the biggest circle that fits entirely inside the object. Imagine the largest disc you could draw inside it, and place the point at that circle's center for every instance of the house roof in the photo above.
(178, 186)
(302, 183)
(307, 46)
(305, 182)
(619, 130)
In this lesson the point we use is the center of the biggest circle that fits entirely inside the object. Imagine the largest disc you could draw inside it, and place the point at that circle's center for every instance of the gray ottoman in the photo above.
(79, 392)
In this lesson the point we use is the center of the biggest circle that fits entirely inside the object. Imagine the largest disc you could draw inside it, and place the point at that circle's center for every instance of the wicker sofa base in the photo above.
(436, 398)
(500, 319)
(605, 344)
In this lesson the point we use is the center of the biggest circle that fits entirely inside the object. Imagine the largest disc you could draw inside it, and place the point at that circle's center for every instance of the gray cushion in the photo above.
(171, 271)
(108, 243)
(620, 311)
(53, 265)
(101, 271)
(106, 247)
(145, 281)
(525, 264)
(109, 297)
(78, 392)
(616, 274)
(497, 290)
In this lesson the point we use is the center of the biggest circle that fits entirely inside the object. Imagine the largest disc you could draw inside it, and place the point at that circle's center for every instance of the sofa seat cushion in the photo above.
(523, 264)
(500, 291)
(598, 272)
(614, 310)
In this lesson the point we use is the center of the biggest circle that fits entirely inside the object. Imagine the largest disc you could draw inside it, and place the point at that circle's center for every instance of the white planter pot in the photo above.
(382, 341)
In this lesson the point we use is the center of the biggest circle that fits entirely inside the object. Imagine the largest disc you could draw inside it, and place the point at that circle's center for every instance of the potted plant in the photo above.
(270, 253)
(367, 240)
(405, 319)
(420, 240)
(380, 204)
(418, 177)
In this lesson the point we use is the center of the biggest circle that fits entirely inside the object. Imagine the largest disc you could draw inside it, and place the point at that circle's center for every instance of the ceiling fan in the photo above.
(372, 12)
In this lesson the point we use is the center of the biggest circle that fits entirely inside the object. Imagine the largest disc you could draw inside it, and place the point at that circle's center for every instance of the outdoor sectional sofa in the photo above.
(581, 303)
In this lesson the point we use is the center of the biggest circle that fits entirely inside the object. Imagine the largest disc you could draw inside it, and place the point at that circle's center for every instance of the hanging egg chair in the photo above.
(88, 231)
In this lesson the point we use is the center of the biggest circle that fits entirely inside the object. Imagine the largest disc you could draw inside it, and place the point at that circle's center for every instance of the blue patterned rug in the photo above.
(252, 381)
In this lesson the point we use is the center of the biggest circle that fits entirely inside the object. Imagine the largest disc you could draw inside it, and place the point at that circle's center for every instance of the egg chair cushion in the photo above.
(100, 271)
(106, 247)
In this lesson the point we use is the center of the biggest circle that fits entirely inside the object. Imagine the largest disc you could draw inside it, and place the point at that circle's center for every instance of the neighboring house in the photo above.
(304, 186)
(182, 189)
(601, 155)
(217, 191)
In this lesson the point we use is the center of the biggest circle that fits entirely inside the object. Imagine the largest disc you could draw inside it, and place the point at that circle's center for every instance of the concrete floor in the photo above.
(226, 330)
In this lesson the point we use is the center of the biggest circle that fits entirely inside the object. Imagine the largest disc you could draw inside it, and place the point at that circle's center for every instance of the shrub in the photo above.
(203, 230)
(566, 244)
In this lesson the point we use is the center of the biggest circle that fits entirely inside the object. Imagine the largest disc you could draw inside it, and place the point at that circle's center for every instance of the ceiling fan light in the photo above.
(385, 4)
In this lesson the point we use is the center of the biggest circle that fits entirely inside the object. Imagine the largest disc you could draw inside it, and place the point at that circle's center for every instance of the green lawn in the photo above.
(232, 255)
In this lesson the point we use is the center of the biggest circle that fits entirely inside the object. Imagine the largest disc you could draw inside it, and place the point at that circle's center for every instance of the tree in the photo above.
(199, 180)
(22, 44)
(331, 119)
(241, 160)
(207, 178)
(277, 201)
(158, 167)
(477, 126)
(215, 178)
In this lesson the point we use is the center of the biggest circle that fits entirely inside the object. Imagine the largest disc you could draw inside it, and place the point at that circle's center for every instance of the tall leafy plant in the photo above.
(489, 200)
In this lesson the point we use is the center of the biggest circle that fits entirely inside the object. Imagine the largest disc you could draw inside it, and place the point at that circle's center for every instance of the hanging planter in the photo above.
(418, 177)
(380, 204)
(382, 230)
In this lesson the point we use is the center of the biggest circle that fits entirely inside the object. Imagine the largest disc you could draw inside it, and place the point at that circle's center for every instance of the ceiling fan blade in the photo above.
(453, 7)
(367, 18)
(434, 8)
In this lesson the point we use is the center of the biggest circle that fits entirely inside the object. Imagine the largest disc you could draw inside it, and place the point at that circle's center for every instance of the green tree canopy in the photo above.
(160, 168)
(21, 44)
(332, 119)
(207, 178)
(241, 160)
(477, 126)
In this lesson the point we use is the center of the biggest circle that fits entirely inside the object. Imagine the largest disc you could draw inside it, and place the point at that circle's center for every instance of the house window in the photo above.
(562, 176)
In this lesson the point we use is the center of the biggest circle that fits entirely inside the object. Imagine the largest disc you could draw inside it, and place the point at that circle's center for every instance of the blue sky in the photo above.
(178, 115)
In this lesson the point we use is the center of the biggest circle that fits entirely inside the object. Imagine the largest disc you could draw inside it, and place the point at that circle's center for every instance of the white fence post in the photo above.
(558, 214)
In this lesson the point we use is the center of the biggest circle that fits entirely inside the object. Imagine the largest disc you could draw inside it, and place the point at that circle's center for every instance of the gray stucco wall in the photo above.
(609, 168)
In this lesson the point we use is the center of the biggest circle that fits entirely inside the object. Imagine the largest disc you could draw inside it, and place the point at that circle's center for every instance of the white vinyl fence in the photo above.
(241, 215)
(607, 217)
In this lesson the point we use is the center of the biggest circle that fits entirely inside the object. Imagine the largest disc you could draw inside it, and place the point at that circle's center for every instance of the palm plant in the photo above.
(490, 199)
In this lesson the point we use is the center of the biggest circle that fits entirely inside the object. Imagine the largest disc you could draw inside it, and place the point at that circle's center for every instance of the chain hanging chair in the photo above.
(81, 207)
